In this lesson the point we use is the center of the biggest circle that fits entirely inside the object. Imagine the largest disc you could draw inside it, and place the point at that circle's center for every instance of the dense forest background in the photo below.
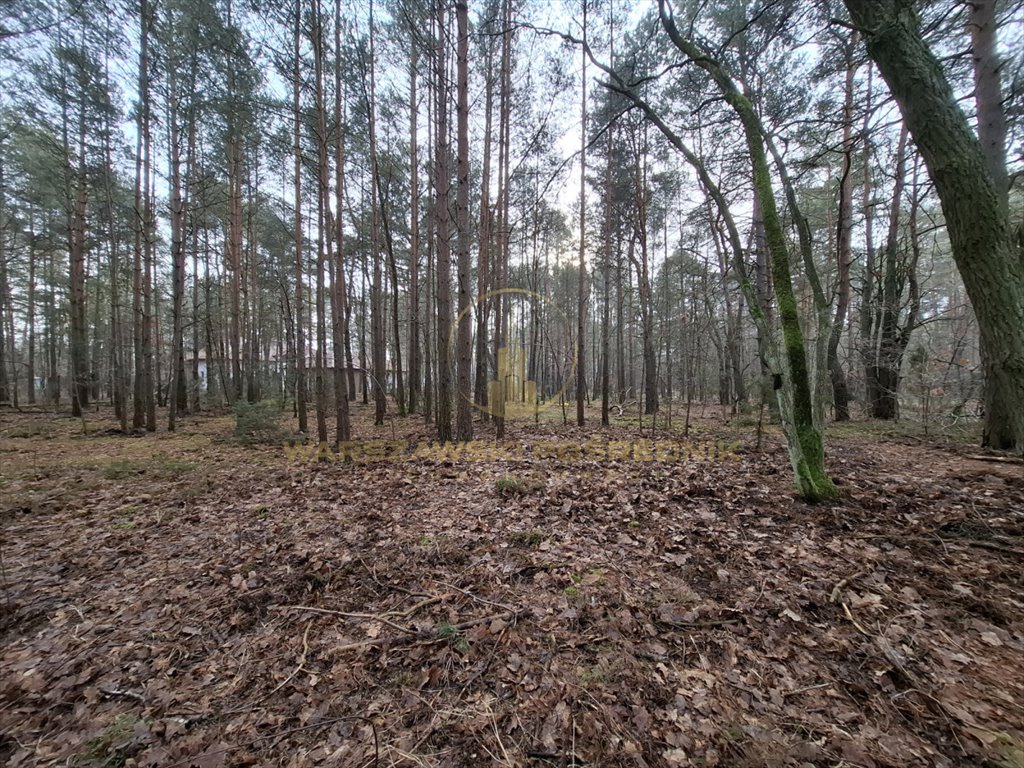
(207, 202)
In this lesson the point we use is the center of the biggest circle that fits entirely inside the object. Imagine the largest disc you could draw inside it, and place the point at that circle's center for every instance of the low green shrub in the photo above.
(258, 422)
(510, 485)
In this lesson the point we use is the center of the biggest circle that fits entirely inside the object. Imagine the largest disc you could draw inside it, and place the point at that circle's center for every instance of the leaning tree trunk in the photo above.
(804, 437)
(978, 225)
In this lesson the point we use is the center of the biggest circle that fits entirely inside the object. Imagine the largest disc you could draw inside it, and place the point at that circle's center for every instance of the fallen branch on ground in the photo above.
(429, 634)
(299, 668)
(346, 614)
(997, 459)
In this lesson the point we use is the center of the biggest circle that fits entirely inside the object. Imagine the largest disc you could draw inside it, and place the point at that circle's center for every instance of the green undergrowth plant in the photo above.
(510, 485)
(454, 636)
(111, 747)
(258, 423)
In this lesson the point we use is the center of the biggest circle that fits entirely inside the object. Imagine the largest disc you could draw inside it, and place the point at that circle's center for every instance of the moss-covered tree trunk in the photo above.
(978, 225)
(804, 437)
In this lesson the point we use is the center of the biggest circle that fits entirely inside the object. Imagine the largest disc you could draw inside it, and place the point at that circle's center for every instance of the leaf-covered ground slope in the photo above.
(184, 600)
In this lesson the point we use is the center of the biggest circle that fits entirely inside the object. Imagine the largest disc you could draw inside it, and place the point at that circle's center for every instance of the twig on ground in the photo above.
(698, 624)
(996, 459)
(983, 545)
(842, 584)
(301, 665)
(846, 610)
(382, 585)
(421, 604)
(487, 663)
(479, 599)
(422, 635)
(759, 594)
(805, 689)
(345, 614)
(126, 694)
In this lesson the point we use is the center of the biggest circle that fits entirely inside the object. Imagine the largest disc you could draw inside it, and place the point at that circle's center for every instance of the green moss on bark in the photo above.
(803, 436)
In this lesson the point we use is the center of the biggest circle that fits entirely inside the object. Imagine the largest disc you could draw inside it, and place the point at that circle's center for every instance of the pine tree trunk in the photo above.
(300, 339)
(442, 214)
(324, 229)
(464, 329)
(988, 93)
(177, 211)
(485, 238)
(606, 313)
(581, 298)
(339, 288)
(396, 328)
(147, 244)
(31, 319)
(78, 329)
(867, 345)
(415, 373)
(377, 339)
(5, 392)
(499, 262)
(141, 222)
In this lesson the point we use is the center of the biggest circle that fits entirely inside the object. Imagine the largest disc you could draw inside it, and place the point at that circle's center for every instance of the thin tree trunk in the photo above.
(5, 303)
(988, 92)
(300, 339)
(78, 328)
(385, 207)
(415, 374)
(485, 238)
(606, 313)
(581, 298)
(464, 342)
(31, 319)
(500, 261)
(443, 232)
(377, 340)
(145, 317)
(177, 211)
(339, 289)
(138, 386)
(866, 346)
(844, 254)
(324, 230)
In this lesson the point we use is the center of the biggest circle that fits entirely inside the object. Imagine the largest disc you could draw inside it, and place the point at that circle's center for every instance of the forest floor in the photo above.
(186, 600)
